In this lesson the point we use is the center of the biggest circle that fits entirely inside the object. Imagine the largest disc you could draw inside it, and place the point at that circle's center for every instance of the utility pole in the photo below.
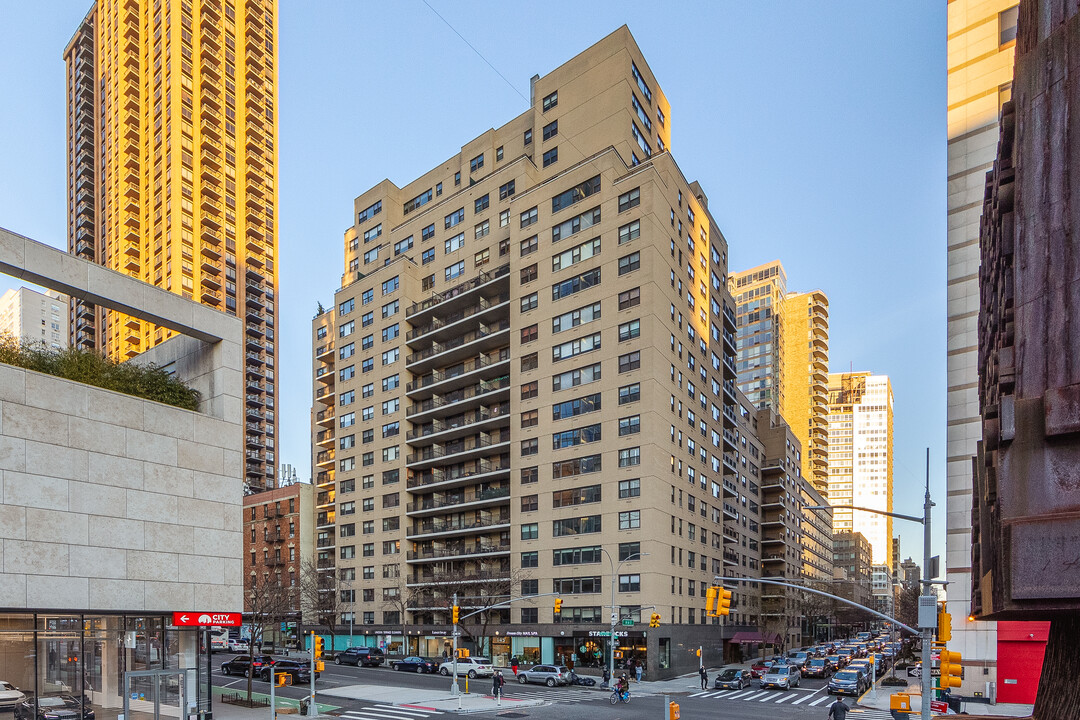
(927, 618)
(454, 689)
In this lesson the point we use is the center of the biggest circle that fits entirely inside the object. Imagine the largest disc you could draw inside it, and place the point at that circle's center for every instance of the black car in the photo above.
(817, 667)
(417, 664)
(239, 665)
(848, 682)
(367, 657)
(300, 671)
(53, 707)
(732, 679)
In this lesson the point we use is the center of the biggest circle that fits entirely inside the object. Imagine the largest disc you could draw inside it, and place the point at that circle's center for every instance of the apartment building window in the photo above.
(373, 233)
(630, 520)
(367, 318)
(348, 552)
(529, 447)
(367, 342)
(390, 332)
(629, 298)
(660, 116)
(573, 348)
(347, 508)
(629, 457)
(457, 178)
(455, 243)
(427, 256)
(347, 398)
(577, 436)
(498, 153)
(530, 587)
(570, 286)
(369, 212)
(476, 163)
(391, 382)
(530, 333)
(529, 475)
(528, 137)
(348, 530)
(576, 526)
(428, 282)
(1007, 20)
(421, 199)
(453, 218)
(629, 550)
(390, 356)
(630, 361)
(529, 217)
(391, 477)
(529, 245)
(530, 390)
(390, 285)
(629, 263)
(390, 309)
(551, 101)
(427, 233)
(481, 204)
(576, 254)
(551, 157)
(504, 218)
(629, 330)
(530, 418)
(504, 247)
(631, 231)
(530, 531)
(629, 488)
(630, 425)
(530, 559)
(642, 86)
(630, 199)
(367, 504)
(576, 466)
(506, 190)
(576, 556)
(347, 420)
(576, 496)
(642, 143)
(575, 224)
(391, 547)
(347, 307)
(575, 407)
(346, 329)
(482, 230)
(530, 362)
(346, 351)
(528, 274)
(530, 503)
(551, 129)
(454, 271)
(576, 377)
(629, 583)
(438, 189)
(530, 302)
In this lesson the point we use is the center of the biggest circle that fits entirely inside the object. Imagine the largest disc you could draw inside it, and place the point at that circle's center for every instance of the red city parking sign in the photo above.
(196, 619)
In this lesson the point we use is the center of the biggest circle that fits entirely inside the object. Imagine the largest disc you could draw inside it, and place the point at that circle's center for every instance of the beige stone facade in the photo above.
(528, 370)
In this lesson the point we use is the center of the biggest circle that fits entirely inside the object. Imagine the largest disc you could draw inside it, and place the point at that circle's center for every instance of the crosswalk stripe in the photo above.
(397, 711)
(741, 695)
(722, 693)
(820, 700)
(785, 698)
(700, 694)
(770, 696)
(757, 695)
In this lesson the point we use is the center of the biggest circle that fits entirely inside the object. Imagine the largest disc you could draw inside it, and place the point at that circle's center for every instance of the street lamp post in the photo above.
(926, 628)
(614, 608)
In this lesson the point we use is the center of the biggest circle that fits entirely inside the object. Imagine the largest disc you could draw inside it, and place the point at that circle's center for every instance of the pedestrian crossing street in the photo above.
(791, 697)
(391, 712)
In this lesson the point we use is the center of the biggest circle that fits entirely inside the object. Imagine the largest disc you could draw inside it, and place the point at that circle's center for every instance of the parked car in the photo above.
(237, 645)
(360, 656)
(848, 682)
(818, 668)
(732, 679)
(239, 664)
(782, 676)
(10, 696)
(299, 670)
(470, 666)
(550, 675)
(53, 707)
(416, 664)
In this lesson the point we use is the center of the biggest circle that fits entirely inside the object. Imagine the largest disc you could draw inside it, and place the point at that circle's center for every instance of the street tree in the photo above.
(320, 599)
(269, 602)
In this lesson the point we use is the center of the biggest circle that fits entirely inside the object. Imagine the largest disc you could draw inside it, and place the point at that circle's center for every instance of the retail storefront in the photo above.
(80, 660)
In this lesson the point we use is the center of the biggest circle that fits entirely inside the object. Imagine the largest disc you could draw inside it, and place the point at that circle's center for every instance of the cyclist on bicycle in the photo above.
(623, 686)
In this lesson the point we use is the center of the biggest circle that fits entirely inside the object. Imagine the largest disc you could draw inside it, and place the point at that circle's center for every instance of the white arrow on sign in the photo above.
(183, 618)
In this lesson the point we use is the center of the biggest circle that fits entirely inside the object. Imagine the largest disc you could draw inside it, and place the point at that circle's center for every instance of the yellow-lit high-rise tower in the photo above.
(806, 376)
(172, 158)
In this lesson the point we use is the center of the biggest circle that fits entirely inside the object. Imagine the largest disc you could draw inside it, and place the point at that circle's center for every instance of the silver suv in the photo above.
(550, 675)
(470, 666)
(781, 676)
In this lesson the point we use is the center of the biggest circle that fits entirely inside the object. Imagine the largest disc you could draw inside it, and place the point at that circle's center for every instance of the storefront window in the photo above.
(664, 661)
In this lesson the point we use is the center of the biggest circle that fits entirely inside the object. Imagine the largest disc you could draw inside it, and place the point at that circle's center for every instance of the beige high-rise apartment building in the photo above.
(806, 374)
(526, 385)
(26, 314)
(783, 357)
(172, 176)
(861, 458)
(981, 40)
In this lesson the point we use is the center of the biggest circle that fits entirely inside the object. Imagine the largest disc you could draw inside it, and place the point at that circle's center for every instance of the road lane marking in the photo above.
(820, 700)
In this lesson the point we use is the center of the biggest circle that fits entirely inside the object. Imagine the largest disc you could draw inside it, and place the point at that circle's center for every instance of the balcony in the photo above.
(460, 500)
(254, 359)
(468, 448)
(730, 489)
(255, 442)
(212, 297)
(483, 339)
(731, 462)
(731, 535)
(209, 267)
(324, 459)
(325, 396)
(443, 326)
(437, 527)
(457, 550)
(459, 475)
(465, 292)
(458, 376)
(485, 392)
(731, 557)
(772, 521)
(325, 438)
(773, 558)
(325, 352)
(466, 424)
(325, 418)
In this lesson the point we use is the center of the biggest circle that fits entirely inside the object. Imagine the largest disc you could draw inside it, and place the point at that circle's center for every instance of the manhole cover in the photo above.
(512, 714)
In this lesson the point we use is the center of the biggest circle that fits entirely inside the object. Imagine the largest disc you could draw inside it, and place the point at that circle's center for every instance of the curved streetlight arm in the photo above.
(912, 518)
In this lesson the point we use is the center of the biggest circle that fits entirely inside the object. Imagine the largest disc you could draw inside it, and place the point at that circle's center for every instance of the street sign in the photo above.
(914, 671)
(628, 622)
(196, 619)
(939, 706)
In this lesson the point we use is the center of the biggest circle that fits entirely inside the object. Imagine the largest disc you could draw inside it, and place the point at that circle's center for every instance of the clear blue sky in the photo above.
(816, 129)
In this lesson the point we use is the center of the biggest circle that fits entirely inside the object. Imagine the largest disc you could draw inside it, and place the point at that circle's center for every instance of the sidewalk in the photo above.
(975, 709)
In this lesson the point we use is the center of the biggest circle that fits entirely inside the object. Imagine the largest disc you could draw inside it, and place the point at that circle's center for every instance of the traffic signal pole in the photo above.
(928, 592)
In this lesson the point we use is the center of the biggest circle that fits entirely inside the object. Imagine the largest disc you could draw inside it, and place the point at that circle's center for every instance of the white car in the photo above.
(10, 696)
(237, 645)
(470, 666)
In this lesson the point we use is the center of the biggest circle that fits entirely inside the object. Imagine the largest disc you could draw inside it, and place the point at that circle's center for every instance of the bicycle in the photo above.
(616, 696)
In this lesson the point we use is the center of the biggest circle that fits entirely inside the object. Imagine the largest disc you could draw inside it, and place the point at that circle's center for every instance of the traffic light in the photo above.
(944, 624)
(698, 651)
(654, 620)
(710, 601)
(455, 612)
(462, 653)
(318, 645)
(558, 606)
(951, 670)
(724, 605)
(282, 679)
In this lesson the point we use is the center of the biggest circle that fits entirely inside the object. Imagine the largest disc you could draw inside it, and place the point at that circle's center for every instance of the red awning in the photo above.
(754, 637)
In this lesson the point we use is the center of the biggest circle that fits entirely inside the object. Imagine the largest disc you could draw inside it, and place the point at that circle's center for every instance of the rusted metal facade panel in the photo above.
(1026, 514)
